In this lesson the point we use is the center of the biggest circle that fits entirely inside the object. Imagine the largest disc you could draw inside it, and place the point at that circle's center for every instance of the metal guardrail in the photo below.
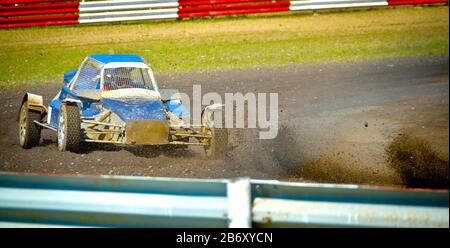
(122, 201)
(26, 13)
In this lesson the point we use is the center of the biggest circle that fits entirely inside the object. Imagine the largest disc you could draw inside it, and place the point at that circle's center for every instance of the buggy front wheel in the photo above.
(69, 128)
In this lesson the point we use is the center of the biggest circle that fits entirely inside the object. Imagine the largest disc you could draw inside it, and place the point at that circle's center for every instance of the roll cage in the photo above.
(91, 75)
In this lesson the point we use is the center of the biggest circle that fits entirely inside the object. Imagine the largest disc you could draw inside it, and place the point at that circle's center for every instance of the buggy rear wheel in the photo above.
(29, 132)
(69, 128)
(218, 144)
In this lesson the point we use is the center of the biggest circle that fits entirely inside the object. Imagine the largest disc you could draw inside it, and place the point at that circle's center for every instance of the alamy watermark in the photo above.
(261, 110)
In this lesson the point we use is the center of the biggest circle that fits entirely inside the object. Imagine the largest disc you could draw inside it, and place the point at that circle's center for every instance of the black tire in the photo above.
(29, 132)
(69, 128)
(218, 145)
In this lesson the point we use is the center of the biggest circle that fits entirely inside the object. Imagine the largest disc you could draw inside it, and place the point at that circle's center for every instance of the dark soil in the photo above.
(336, 121)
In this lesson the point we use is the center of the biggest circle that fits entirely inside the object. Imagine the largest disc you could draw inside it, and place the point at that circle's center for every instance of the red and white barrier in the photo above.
(26, 13)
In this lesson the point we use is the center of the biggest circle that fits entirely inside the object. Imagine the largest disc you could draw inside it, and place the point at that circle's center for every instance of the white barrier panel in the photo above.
(102, 6)
(128, 15)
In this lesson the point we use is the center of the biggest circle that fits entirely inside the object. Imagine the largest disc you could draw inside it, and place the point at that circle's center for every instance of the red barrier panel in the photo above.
(234, 7)
(40, 6)
(39, 12)
(40, 18)
(26, 13)
(184, 3)
(12, 2)
(233, 12)
(405, 2)
(42, 23)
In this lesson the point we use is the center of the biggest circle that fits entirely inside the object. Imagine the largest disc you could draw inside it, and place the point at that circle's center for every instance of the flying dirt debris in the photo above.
(419, 165)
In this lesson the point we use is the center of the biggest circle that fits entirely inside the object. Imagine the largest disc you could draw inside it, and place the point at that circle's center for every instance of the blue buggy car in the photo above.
(115, 99)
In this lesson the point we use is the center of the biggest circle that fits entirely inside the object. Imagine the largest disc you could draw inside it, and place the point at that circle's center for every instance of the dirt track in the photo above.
(336, 121)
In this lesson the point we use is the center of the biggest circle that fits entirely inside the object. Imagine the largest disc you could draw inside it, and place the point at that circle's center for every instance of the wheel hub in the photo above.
(61, 134)
(23, 126)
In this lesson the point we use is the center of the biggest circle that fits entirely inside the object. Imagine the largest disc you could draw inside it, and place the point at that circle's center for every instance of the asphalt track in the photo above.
(336, 121)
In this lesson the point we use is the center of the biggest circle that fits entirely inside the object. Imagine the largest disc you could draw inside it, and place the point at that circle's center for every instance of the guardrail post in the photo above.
(239, 203)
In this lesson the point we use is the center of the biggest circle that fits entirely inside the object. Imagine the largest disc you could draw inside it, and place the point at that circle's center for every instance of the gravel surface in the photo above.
(336, 121)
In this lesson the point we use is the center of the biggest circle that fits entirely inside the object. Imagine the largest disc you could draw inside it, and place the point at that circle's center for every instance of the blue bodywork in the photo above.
(109, 58)
(177, 108)
(136, 109)
(126, 108)
(69, 75)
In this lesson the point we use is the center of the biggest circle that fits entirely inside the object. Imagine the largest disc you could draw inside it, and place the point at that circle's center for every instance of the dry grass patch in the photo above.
(42, 54)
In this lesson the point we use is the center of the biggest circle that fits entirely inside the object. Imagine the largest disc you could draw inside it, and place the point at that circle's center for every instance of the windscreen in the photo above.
(89, 76)
(126, 78)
